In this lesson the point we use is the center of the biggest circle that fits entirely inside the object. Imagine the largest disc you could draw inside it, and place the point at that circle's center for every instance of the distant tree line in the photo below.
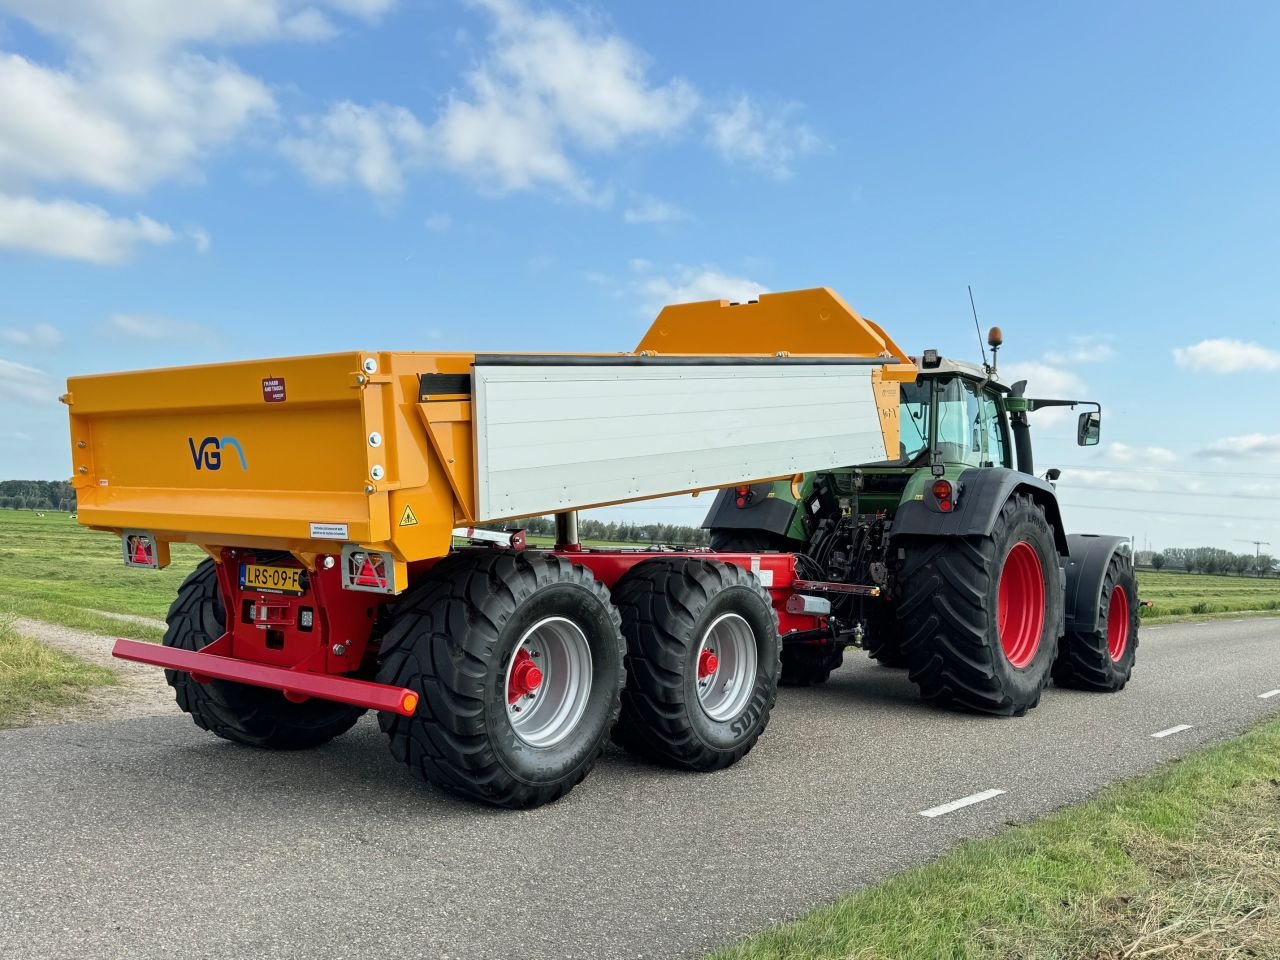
(1208, 560)
(667, 534)
(37, 495)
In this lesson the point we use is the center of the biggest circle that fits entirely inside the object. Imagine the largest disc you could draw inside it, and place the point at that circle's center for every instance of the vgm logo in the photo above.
(208, 456)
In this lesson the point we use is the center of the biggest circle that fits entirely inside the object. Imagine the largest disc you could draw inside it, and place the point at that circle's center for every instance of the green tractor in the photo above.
(959, 567)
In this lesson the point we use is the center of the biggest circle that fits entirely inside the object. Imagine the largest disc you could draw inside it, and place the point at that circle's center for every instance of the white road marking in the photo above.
(955, 805)
(1269, 694)
(1171, 731)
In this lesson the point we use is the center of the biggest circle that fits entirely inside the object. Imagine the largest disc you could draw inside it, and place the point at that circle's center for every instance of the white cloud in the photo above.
(20, 382)
(1224, 355)
(653, 210)
(132, 326)
(75, 231)
(687, 284)
(1049, 382)
(547, 88)
(547, 85)
(1087, 348)
(1109, 480)
(120, 126)
(770, 142)
(438, 222)
(1124, 453)
(371, 146)
(41, 336)
(1248, 446)
(132, 103)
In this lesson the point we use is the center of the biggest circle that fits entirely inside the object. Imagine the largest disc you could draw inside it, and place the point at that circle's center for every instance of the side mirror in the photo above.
(1089, 428)
(1052, 474)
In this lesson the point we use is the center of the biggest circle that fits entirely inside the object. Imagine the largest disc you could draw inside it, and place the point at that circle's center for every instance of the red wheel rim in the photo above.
(1117, 622)
(1020, 605)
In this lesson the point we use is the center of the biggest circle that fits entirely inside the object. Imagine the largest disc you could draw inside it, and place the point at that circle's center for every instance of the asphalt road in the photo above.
(147, 838)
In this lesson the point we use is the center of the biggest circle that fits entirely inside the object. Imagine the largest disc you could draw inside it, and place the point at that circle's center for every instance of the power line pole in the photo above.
(1257, 553)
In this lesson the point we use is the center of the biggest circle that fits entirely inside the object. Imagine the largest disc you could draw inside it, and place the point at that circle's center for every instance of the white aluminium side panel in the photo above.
(561, 437)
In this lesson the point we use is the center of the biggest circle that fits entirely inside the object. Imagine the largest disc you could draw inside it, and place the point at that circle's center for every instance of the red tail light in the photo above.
(744, 495)
(945, 495)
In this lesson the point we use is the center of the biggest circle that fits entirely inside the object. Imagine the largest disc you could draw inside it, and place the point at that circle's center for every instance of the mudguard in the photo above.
(1089, 556)
(768, 514)
(981, 496)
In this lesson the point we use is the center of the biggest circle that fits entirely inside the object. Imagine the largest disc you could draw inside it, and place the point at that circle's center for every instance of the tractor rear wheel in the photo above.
(980, 615)
(747, 541)
(1103, 660)
(702, 662)
(518, 662)
(254, 716)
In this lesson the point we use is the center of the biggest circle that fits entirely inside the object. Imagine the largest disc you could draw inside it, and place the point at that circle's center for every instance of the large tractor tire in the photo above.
(254, 716)
(1103, 660)
(747, 541)
(518, 662)
(702, 662)
(980, 615)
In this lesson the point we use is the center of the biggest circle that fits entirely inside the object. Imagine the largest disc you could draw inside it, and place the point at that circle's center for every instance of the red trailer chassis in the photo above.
(315, 639)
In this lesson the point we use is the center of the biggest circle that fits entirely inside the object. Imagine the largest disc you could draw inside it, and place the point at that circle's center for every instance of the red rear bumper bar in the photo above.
(322, 686)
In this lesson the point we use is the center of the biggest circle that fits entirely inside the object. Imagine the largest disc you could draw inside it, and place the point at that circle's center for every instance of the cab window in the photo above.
(961, 434)
(997, 451)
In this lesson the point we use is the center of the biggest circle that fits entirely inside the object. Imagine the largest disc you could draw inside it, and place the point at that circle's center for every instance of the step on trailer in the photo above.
(340, 500)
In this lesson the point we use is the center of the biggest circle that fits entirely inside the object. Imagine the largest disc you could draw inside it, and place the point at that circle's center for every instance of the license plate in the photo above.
(257, 576)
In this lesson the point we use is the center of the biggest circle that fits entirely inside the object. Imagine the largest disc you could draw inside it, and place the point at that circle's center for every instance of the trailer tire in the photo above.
(951, 594)
(1103, 660)
(254, 716)
(457, 639)
(806, 665)
(682, 617)
(747, 541)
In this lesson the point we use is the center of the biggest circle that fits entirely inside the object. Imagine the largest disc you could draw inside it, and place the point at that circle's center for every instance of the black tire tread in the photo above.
(941, 591)
(253, 716)
(441, 638)
(1084, 662)
(659, 601)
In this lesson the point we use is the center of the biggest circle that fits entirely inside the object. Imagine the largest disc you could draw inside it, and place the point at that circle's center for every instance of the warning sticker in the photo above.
(408, 518)
(273, 389)
(328, 531)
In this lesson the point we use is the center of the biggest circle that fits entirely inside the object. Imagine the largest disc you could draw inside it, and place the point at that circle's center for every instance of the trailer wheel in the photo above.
(1103, 660)
(245, 714)
(518, 661)
(702, 662)
(807, 665)
(980, 615)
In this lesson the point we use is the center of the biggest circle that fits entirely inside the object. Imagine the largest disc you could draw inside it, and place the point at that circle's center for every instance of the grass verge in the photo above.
(1183, 863)
(35, 679)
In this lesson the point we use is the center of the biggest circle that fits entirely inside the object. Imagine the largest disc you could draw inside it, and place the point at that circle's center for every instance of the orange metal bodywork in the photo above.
(137, 437)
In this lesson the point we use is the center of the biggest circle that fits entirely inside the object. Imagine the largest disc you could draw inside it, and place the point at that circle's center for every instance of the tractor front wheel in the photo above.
(254, 716)
(979, 615)
(517, 659)
(1103, 659)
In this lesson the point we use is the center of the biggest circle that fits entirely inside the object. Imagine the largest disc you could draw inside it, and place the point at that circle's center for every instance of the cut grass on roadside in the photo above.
(1182, 863)
(35, 679)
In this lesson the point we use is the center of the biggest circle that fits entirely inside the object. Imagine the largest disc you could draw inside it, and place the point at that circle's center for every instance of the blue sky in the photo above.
(185, 183)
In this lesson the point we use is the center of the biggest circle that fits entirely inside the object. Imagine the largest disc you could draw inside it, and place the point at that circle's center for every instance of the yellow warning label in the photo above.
(407, 519)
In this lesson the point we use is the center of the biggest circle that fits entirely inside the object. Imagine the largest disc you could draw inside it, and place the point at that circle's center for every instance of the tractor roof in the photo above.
(962, 368)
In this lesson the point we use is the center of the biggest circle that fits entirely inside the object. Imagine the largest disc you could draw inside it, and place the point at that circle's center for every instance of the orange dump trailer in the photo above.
(331, 492)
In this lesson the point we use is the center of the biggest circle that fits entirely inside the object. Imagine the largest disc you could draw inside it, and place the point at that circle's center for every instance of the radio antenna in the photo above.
(978, 327)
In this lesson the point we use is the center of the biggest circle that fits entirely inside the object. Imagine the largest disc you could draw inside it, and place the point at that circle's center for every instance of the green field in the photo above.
(34, 678)
(1182, 594)
(53, 569)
